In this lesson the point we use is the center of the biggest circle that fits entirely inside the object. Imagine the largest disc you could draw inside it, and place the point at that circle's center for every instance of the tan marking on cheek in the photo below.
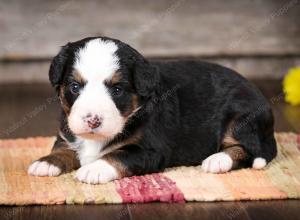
(63, 100)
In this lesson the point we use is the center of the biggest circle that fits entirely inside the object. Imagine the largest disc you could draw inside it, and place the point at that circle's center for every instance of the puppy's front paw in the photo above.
(43, 168)
(99, 171)
(217, 163)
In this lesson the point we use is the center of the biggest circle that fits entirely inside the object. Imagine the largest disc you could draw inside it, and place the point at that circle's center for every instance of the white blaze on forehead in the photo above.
(97, 60)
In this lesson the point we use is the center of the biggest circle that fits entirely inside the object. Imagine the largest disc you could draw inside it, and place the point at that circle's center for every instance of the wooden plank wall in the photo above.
(259, 38)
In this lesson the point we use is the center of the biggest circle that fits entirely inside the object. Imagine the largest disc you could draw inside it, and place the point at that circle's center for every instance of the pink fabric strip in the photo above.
(148, 188)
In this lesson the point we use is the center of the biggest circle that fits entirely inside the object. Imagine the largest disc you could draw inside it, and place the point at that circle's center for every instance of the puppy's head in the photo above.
(101, 82)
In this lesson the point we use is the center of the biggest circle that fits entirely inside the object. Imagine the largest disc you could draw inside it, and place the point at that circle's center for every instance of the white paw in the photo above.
(43, 168)
(217, 163)
(259, 163)
(96, 172)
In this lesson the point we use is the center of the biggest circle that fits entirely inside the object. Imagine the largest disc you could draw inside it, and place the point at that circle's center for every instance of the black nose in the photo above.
(94, 121)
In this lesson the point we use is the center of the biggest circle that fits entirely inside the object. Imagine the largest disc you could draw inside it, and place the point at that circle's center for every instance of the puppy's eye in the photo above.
(117, 91)
(75, 87)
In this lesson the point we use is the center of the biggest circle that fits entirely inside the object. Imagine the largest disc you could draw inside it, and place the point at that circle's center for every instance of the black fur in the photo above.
(57, 67)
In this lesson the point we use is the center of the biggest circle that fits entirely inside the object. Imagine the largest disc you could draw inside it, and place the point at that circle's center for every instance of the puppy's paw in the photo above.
(259, 163)
(217, 163)
(99, 171)
(43, 168)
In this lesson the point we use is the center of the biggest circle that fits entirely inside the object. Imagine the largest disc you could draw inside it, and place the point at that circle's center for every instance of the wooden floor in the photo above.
(29, 110)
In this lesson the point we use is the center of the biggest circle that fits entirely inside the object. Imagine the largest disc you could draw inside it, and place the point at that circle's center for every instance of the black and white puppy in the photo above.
(124, 116)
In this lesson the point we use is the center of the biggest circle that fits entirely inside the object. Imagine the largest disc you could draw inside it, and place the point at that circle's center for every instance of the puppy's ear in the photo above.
(57, 67)
(146, 78)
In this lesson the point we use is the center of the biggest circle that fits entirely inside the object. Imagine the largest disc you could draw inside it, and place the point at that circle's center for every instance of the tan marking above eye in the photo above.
(115, 78)
(78, 77)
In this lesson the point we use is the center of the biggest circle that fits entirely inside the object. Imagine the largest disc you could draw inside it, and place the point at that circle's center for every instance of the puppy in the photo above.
(122, 115)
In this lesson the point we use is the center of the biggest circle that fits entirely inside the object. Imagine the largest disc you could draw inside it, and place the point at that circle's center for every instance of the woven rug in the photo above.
(280, 180)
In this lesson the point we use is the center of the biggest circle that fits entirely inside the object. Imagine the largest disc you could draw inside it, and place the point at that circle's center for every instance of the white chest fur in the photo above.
(88, 150)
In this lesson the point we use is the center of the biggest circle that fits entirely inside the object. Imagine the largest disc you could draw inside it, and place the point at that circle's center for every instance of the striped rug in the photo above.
(280, 180)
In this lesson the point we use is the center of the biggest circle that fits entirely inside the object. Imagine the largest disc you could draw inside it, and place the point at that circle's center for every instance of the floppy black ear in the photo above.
(146, 78)
(57, 67)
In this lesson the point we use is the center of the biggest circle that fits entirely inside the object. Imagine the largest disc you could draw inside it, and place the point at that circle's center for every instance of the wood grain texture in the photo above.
(73, 212)
(271, 67)
(35, 29)
(223, 210)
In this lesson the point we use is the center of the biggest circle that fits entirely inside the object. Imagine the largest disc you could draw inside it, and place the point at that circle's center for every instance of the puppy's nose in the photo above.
(93, 121)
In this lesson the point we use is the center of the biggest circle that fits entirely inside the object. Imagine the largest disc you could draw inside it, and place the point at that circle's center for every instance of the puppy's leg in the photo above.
(60, 160)
(129, 160)
(256, 133)
(231, 157)
(248, 142)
